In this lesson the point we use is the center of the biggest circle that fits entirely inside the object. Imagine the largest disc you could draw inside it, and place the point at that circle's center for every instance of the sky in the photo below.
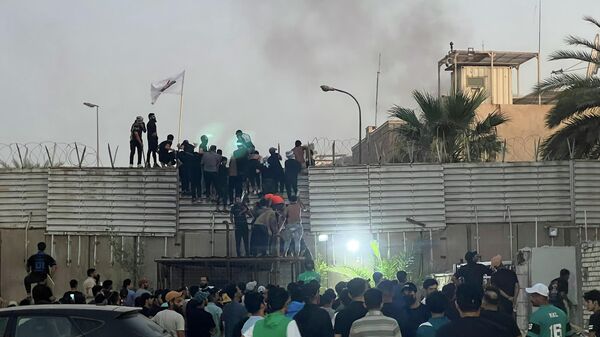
(250, 65)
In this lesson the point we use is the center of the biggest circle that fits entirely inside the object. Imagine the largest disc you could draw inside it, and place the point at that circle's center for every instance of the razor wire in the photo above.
(46, 154)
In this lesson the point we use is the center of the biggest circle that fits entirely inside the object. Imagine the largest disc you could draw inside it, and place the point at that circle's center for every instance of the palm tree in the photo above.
(576, 115)
(447, 130)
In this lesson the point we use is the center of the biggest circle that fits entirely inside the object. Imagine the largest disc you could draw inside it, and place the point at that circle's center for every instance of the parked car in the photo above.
(72, 320)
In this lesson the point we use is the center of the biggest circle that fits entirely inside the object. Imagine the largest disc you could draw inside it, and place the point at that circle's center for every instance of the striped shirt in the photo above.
(375, 324)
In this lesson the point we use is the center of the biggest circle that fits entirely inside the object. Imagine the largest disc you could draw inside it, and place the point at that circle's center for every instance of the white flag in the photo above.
(171, 85)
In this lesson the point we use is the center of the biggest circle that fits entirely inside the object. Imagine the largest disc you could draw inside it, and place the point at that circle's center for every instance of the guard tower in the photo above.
(473, 71)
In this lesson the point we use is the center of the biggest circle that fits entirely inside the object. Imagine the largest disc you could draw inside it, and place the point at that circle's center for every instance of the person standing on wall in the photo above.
(152, 140)
(135, 140)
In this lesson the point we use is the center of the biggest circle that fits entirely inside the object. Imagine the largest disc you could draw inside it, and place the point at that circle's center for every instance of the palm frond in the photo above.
(582, 131)
(585, 56)
(430, 106)
(490, 122)
(592, 20)
(572, 102)
(405, 114)
(565, 81)
(577, 41)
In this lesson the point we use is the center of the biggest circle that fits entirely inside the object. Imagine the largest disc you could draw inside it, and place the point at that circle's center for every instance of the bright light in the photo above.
(323, 237)
(352, 245)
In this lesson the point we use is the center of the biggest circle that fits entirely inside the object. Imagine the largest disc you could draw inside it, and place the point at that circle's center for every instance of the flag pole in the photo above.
(180, 109)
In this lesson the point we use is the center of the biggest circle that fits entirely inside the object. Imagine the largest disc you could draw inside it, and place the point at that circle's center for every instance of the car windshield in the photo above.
(138, 325)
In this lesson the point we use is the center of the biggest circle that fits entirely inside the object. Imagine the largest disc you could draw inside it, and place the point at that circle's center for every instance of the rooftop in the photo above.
(472, 57)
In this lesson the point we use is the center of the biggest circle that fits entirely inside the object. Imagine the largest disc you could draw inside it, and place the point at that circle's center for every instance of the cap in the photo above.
(538, 288)
(268, 196)
(201, 296)
(250, 286)
(171, 295)
(410, 286)
(262, 289)
(13, 304)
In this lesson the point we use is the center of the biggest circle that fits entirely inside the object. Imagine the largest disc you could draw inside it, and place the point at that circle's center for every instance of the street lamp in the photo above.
(327, 88)
(92, 105)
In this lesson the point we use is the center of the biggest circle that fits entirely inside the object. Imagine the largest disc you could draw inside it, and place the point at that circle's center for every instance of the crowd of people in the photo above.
(480, 301)
(205, 172)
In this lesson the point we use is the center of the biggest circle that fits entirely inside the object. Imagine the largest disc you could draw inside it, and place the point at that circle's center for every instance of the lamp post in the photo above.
(327, 88)
(92, 105)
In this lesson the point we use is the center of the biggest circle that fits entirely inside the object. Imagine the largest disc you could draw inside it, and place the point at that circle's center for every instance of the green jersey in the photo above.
(549, 321)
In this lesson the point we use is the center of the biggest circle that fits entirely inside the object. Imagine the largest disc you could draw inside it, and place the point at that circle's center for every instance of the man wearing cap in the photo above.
(547, 320)
(472, 273)
(292, 169)
(172, 319)
(199, 322)
(415, 313)
(135, 140)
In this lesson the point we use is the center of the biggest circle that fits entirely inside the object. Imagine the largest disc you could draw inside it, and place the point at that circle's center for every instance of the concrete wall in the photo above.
(525, 128)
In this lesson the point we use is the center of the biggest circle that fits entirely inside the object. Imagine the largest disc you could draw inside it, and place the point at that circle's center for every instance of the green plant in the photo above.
(387, 266)
(446, 129)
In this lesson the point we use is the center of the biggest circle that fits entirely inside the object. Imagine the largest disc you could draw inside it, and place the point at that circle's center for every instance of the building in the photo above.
(471, 72)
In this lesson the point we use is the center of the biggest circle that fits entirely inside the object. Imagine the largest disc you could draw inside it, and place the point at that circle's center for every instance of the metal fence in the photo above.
(46, 154)
(413, 197)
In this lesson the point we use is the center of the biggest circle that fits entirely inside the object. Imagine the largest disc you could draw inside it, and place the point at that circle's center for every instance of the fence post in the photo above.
(49, 157)
(333, 154)
(572, 200)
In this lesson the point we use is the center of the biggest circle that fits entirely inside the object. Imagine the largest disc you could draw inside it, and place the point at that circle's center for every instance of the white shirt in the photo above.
(170, 320)
(292, 330)
(249, 325)
(88, 284)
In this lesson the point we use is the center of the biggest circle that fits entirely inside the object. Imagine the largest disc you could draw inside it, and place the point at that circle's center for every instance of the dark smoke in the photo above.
(339, 40)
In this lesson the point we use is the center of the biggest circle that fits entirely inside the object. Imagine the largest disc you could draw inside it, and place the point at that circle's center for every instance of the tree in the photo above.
(447, 129)
(576, 116)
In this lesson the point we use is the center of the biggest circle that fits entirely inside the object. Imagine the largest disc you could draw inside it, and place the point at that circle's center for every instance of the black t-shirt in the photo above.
(505, 280)
(471, 327)
(199, 322)
(412, 319)
(472, 273)
(594, 324)
(344, 319)
(502, 320)
(394, 311)
(451, 311)
(314, 321)
(292, 169)
(151, 128)
(241, 160)
(40, 264)
(162, 147)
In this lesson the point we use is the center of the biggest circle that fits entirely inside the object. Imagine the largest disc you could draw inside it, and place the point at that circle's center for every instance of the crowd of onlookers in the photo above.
(206, 173)
(478, 302)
